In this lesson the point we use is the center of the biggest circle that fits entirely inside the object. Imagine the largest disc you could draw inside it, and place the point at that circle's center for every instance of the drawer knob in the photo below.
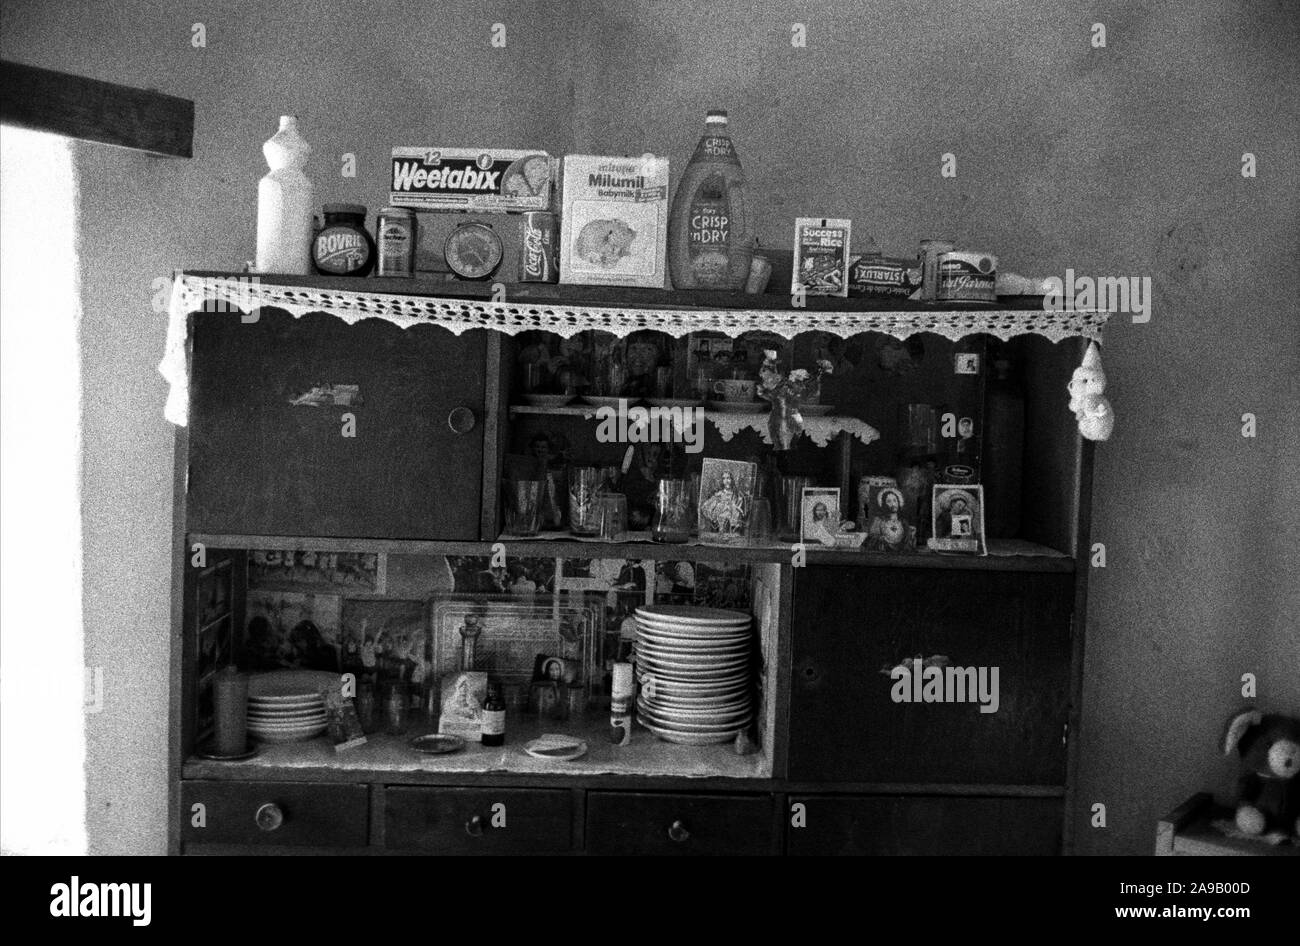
(269, 816)
(677, 831)
(474, 827)
(461, 420)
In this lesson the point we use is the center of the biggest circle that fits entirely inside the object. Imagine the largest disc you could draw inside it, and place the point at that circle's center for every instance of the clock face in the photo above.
(473, 251)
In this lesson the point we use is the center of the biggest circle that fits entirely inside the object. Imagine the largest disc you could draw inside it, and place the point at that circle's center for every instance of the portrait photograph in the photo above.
(957, 519)
(890, 524)
(819, 519)
(726, 494)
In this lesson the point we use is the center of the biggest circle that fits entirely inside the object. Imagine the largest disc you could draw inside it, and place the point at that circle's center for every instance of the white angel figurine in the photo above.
(1088, 398)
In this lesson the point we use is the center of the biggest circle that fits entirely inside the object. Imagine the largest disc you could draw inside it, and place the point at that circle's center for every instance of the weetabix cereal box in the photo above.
(821, 257)
(487, 180)
(614, 225)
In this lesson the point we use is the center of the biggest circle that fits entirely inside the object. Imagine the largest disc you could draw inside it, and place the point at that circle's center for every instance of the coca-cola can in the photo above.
(537, 254)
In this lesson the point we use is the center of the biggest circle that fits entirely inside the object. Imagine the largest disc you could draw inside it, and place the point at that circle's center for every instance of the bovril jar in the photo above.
(395, 229)
(343, 247)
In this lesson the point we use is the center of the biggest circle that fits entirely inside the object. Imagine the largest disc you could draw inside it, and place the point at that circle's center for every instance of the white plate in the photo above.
(692, 687)
(285, 727)
(740, 647)
(287, 737)
(548, 400)
(291, 685)
(689, 613)
(287, 720)
(691, 739)
(729, 676)
(555, 749)
(705, 717)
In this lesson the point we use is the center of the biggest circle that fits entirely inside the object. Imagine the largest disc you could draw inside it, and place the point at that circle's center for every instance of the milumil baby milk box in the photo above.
(614, 226)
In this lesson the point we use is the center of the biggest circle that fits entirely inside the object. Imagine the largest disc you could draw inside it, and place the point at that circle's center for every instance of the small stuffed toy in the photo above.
(1087, 390)
(1268, 793)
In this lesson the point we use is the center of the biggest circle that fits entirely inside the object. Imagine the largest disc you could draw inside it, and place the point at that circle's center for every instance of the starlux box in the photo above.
(491, 180)
(614, 228)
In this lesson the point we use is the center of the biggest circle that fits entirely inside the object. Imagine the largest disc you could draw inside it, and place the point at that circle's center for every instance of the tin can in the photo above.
(968, 277)
(537, 253)
(931, 250)
(396, 229)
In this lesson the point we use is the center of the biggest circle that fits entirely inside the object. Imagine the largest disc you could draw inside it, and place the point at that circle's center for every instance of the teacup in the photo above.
(735, 389)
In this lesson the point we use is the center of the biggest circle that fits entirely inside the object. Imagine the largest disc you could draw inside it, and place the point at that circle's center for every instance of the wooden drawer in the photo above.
(851, 625)
(478, 820)
(309, 814)
(262, 466)
(897, 825)
(628, 823)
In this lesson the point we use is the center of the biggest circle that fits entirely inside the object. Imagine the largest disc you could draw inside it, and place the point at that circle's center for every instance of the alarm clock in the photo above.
(473, 251)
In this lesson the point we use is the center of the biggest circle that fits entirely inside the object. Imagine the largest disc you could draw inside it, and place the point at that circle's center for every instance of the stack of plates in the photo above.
(694, 666)
(287, 706)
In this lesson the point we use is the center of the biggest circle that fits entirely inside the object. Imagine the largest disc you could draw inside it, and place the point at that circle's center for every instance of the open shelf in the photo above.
(384, 756)
(1011, 555)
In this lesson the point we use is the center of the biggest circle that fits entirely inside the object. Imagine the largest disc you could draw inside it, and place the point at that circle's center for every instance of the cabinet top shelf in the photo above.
(567, 310)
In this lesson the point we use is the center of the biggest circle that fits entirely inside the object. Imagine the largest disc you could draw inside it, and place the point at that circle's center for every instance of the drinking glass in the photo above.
(918, 427)
(758, 529)
(792, 488)
(611, 516)
(524, 515)
(534, 378)
(584, 481)
(672, 518)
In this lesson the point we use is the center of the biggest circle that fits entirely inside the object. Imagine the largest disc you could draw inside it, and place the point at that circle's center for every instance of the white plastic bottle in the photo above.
(284, 204)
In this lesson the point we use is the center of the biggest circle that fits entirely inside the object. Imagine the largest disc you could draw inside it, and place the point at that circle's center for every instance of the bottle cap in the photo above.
(344, 209)
(716, 115)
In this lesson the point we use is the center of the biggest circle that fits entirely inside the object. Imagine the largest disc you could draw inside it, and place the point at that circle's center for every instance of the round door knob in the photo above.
(461, 420)
(269, 816)
(474, 827)
(677, 831)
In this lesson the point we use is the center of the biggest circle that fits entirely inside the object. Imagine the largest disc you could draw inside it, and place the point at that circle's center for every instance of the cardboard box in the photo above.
(614, 224)
(488, 180)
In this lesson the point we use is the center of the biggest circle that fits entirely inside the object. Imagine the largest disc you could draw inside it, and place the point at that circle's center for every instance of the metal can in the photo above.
(968, 277)
(931, 250)
(537, 254)
(395, 227)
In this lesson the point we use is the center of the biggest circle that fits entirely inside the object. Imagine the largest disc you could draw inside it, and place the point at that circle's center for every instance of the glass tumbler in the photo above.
(584, 481)
(673, 513)
(792, 488)
(758, 528)
(611, 516)
(524, 513)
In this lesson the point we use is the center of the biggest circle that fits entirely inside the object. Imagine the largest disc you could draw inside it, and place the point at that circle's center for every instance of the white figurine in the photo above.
(1088, 398)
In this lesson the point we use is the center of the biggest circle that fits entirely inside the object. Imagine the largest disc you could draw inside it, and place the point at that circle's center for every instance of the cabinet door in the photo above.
(636, 823)
(924, 825)
(853, 625)
(260, 465)
(478, 820)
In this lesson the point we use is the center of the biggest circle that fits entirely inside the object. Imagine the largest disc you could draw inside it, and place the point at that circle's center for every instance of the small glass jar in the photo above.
(395, 706)
(343, 247)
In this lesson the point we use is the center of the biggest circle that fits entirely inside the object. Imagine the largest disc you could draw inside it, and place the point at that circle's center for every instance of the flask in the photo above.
(710, 238)
(285, 204)
(494, 716)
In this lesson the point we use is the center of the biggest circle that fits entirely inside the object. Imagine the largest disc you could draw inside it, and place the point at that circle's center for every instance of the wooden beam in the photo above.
(90, 110)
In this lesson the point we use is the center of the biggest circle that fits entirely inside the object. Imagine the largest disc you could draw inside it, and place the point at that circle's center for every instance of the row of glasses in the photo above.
(595, 512)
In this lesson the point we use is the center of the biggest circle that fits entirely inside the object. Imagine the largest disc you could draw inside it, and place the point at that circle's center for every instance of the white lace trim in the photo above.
(248, 293)
(821, 430)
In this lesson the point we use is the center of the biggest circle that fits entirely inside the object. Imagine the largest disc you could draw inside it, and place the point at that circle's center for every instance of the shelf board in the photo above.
(384, 757)
(635, 297)
(1008, 555)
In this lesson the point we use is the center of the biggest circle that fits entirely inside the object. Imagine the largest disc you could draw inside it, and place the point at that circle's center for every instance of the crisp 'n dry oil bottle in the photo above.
(710, 243)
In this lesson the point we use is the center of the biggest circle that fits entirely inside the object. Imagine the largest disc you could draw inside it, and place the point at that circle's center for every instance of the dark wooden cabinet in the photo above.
(678, 824)
(478, 820)
(851, 626)
(260, 465)
(398, 478)
(924, 825)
